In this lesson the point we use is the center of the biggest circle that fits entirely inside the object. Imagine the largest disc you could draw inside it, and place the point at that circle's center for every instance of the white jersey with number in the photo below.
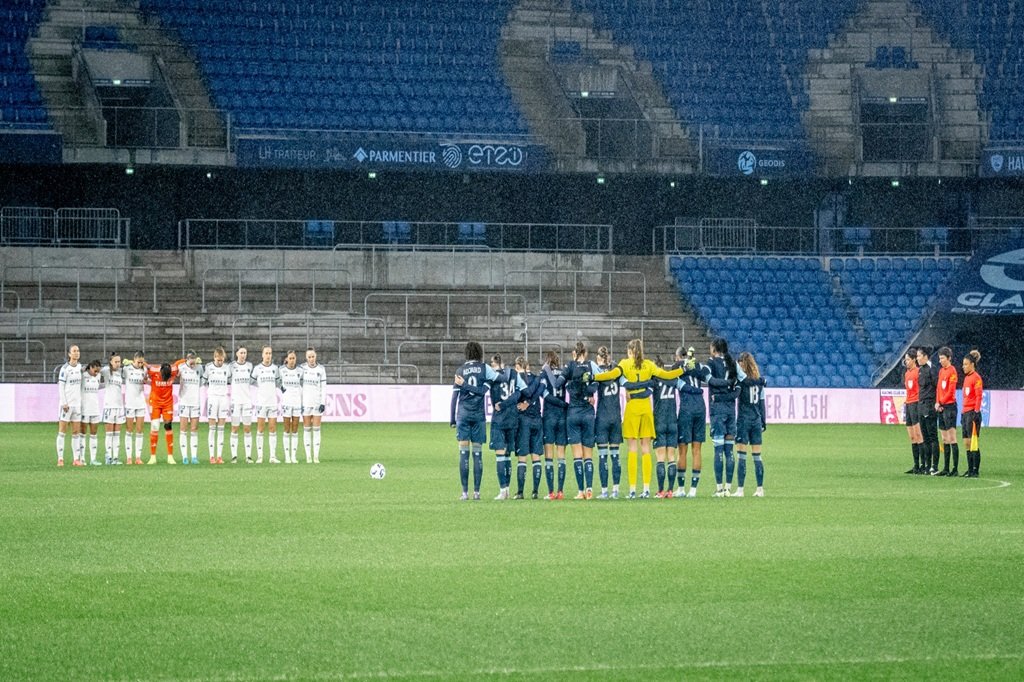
(291, 382)
(113, 388)
(70, 386)
(241, 383)
(217, 379)
(135, 379)
(268, 380)
(91, 395)
(189, 380)
(314, 385)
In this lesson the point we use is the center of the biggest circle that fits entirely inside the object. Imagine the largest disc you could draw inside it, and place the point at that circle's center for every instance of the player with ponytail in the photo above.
(971, 417)
(722, 384)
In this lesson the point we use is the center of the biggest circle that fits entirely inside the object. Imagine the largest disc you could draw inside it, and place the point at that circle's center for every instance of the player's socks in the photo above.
(307, 441)
(536, 476)
(169, 440)
(616, 465)
(234, 446)
(60, 447)
(94, 446)
(947, 450)
(660, 468)
(295, 447)
(193, 436)
(316, 444)
(520, 477)
(955, 448)
(577, 467)
(129, 446)
(730, 463)
(478, 468)
(602, 466)
(977, 462)
(917, 456)
(464, 469)
(107, 447)
(646, 460)
(499, 465)
(271, 444)
(694, 480)
(561, 474)
(670, 475)
(719, 464)
(153, 435)
(759, 470)
(220, 442)
(211, 442)
(549, 473)
(247, 442)
(588, 473)
(508, 470)
(680, 477)
(76, 447)
(741, 468)
(631, 469)
(259, 447)
(138, 447)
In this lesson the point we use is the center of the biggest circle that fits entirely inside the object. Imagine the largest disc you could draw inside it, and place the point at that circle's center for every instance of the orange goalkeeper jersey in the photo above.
(161, 393)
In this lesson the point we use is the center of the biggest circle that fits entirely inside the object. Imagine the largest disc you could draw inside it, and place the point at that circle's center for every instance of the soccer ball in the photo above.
(378, 471)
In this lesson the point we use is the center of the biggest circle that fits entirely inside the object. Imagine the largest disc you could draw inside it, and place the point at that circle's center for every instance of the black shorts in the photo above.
(910, 414)
(970, 421)
(947, 418)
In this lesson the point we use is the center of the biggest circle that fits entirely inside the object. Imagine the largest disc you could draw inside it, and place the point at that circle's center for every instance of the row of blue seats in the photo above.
(733, 263)
(380, 122)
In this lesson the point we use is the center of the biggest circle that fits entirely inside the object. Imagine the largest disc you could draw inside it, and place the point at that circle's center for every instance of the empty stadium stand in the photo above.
(21, 104)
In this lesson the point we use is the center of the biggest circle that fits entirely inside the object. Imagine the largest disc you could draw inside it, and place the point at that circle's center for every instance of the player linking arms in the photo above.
(750, 423)
(70, 391)
(638, 422)
(190, 378)
(692, 418)
(161, 404)
(721, 382)
(580, 422)
(314, 399)
(505, 393)
(136, 376)
(472, 381)
(608, 425)
(267, 378)
(291, 405)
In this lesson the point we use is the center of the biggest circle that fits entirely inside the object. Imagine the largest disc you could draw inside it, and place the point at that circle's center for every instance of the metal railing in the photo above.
(259, 279)
(342, 369)
(638, 328)
(149, 127)
(41, 226)
(70, 327)
(459, 251)
(244, 233)
(5, 293)
(840, 241)
(442, 377)
(37, 278)
(309, 324)
(27, 342)
(610, 274)
(405, 297)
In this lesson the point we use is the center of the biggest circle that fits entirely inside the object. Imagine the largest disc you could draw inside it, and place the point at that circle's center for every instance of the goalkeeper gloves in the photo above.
(321, 408)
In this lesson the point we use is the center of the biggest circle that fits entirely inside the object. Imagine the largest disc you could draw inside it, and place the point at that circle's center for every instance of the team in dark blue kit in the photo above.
(580, 405)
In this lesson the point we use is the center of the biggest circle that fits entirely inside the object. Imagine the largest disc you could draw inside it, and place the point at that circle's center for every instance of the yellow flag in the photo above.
(974, 438)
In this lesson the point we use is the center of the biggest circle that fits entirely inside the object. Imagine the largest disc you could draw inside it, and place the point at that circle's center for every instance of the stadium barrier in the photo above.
(199, 233)
(466, 299)
(557, 273)
(39, 374)
(431, 403)
(40, 226)
(109, 329)
(309, 324)
(713, 238)
(259, 278)
(61, 276)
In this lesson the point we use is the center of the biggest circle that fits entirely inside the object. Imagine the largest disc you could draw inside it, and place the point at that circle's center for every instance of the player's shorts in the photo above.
(164, 412)
(265, 412)
(218, 407)
(947, 418)
(188, 412)
(314, 411)
(241, 414)
(638, 420)
(666, 433)
(90, 418)
(555, 427)
(910, 413)
(723, 421)
(971, 423)
(113, 415)
(471, 429)
(503, 438)
(291, 411)
(749, 431)
(579, 427)
(608, 431)
(136, 412)
(72, 414)
(691, 427)
(531, 437)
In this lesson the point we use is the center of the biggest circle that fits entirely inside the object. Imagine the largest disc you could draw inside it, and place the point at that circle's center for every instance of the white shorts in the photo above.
(218, 407)
(311, 411)
(90, 419)
(189, 412)
(72, 414)
(241, 414)
(269, 412)
(113, 415)
(291, 411)
(135, 412)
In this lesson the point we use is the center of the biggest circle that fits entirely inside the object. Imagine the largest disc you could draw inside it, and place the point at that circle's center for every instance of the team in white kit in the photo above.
(288, 392)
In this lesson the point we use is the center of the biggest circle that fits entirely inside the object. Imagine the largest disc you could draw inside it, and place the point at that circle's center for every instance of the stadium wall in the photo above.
(424, 403)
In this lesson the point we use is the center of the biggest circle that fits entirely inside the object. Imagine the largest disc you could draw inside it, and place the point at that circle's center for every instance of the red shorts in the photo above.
(165, 412)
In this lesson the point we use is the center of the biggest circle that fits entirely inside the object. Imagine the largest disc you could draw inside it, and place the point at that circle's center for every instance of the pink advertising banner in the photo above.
(416, 403)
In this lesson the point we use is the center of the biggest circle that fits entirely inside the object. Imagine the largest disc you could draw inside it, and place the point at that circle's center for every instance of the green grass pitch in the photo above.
(847, 569)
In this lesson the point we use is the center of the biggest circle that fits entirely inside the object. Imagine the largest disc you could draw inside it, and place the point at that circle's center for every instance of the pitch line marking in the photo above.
(999, 484)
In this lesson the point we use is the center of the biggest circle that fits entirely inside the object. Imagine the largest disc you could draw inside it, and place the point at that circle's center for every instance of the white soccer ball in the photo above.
(378, 471)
